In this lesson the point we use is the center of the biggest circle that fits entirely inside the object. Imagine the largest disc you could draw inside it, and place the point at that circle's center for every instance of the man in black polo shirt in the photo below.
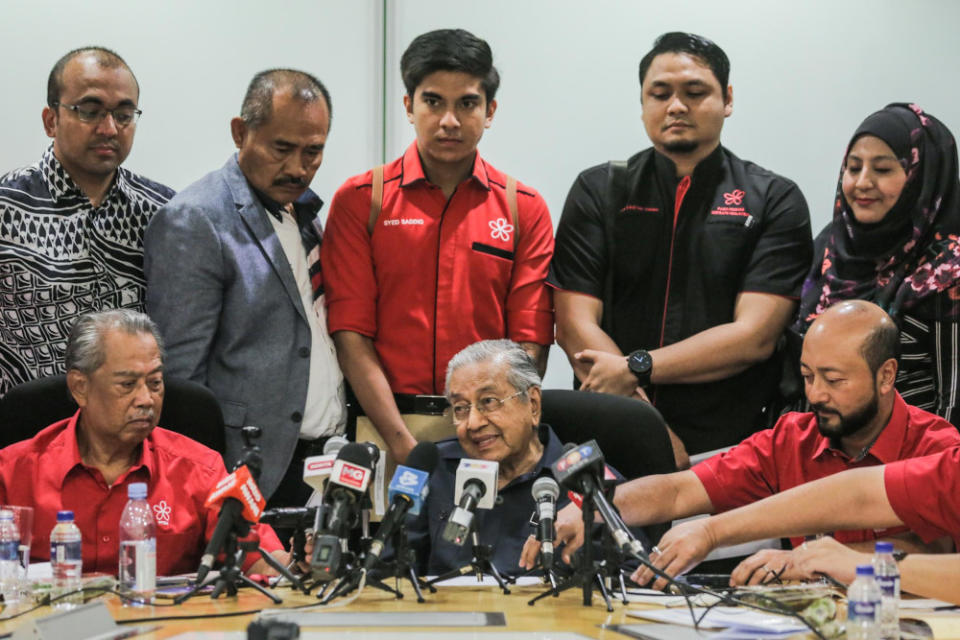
(686, 258)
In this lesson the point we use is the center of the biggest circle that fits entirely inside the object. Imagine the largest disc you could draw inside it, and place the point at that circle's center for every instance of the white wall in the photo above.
(804, 75)
(193, 60)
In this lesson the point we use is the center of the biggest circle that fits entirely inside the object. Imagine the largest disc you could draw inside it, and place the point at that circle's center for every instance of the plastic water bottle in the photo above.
(863, 606)
(9, 558)
(66, 561)
(138, 545)
(887, 575)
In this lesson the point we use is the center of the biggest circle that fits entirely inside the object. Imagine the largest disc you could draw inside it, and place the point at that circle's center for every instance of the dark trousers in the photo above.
(293, 491)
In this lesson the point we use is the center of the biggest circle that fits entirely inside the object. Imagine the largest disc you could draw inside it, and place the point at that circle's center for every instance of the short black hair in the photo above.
(106, 58)
(258, 101)
(449, 50)
(880, 345)
(694, 45)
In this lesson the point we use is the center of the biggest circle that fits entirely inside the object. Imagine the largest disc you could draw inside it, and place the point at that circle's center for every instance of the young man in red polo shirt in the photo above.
(849, 363)
(435, 250)
(84, 463)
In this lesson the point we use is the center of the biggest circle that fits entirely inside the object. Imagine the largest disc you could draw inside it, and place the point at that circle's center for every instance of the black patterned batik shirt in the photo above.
(60, 257)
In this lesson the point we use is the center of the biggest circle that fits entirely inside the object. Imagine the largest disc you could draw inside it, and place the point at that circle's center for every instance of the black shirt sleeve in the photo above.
(580, 254)
(784, 251)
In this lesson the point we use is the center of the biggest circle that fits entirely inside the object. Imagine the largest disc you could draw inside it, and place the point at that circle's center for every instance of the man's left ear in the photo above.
(887, 376)
(491, 109)
(536, 402)
(728, 102)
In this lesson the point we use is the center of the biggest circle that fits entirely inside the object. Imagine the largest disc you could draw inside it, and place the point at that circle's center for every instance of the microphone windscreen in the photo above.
(544, 487)
(356, 453)
(334, 444)
(424, 457)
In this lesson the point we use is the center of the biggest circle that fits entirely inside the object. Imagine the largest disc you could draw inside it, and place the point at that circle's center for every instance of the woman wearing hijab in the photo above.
(894, 241)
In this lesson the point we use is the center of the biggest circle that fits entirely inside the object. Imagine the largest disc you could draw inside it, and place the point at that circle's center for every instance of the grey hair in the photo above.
(258, 102)
(521, 369)
(85, 352)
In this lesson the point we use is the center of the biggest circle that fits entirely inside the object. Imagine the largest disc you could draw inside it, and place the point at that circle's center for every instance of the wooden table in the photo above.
(565, 613)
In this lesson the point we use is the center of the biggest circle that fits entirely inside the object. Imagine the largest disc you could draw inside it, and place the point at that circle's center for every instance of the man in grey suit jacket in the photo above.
(234, 283)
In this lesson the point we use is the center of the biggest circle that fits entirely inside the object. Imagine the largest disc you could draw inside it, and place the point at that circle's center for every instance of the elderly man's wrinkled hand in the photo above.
(569, 536)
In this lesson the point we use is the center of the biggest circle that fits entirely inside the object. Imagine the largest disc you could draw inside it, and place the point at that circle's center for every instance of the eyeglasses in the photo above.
(488, 404)
(122, 116)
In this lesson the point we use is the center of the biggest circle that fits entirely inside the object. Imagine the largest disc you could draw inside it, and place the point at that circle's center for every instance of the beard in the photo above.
(681, 146)
(851, 422)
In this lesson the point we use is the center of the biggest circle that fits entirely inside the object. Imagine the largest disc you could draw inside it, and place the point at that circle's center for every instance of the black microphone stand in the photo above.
(480, 565)
(230, 576)
(588, 571)
(403, 566)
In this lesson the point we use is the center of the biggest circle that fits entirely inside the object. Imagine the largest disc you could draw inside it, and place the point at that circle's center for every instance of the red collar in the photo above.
(64, 455)
(413, 168)
(886, 448)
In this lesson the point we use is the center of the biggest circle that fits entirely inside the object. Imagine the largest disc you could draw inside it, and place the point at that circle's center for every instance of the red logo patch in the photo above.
(734, 197)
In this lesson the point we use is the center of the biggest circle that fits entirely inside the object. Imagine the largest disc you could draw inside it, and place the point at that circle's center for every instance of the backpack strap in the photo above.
(514, 211)
(617, 193)
(376, 199)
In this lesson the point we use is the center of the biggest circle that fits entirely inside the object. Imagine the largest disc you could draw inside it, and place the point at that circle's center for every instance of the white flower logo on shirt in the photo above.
(162, 510)
(500, 229)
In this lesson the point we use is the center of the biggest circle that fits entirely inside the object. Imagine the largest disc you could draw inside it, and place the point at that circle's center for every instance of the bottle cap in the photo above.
(883, 547)
(865, 570)
(64, 516)
(137, 490)
(6, 514)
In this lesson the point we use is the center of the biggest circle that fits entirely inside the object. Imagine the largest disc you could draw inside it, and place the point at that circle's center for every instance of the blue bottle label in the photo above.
(9, 550)
(862, 610)
(888, 585)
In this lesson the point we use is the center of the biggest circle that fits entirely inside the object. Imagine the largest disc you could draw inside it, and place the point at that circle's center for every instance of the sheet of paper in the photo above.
(40, 572)
(923, 603)
(723, 618)
(659, 598)
(471, 581)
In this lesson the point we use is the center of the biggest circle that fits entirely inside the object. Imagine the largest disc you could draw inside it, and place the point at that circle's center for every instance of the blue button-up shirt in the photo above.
(505, 527)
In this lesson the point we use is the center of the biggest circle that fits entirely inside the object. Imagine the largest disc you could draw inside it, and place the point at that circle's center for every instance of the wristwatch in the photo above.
(640, 363)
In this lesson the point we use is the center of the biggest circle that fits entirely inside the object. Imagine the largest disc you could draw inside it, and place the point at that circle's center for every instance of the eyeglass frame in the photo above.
(103, 111)
(483, 412)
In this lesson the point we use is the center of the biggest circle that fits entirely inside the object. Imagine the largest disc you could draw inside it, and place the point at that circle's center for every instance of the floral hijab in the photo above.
(914, 252)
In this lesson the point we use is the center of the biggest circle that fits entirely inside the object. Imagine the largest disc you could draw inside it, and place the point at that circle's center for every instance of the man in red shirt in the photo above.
(84, 463)
(849, 364)
(921, 493)
(435, 250)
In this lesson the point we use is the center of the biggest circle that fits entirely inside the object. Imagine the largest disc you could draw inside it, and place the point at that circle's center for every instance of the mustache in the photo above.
(820, 408)
(282, 181)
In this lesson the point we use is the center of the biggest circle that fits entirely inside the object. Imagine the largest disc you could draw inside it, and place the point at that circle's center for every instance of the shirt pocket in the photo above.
(727, 245)
(490, 272)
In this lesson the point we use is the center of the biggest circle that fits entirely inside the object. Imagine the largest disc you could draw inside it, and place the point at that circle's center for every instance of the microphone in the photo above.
(407, 491)
(316, 469)
(582, 469)
(545, 492)
(349, 478)
(476, 489)
(238, 496)
(288, 517)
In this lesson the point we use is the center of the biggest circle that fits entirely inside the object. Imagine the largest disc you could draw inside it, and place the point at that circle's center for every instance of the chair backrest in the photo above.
(189, 408)
(631, 433)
